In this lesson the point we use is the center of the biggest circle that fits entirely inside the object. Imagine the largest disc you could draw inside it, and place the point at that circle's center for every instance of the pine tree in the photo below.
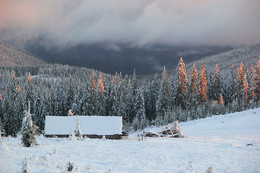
(29, 130)
(240, 86)
(180, 93)
(231, 87)
(257, 83)
(101, 97)
(90, 106)
(47, 103)
(70, 96)
(193, 92)
(122, 100)
(164, 103)
(246, 89)
(140, 111)
(93, 81)
(152, 92)
(112, 104)
(12, 118)
(100, 84)
(131, 97)
(216, 85)
(251, 85)
(29, 93)
(222, 104)
(60, 101)
(202, 86)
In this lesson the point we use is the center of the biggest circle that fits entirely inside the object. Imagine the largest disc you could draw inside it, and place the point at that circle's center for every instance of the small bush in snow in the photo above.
(210, 170)
(77, 131)
(190, 167)
(25, 168)
(70, 166)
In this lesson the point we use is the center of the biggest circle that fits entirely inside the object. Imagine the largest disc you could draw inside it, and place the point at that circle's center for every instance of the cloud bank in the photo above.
(138, 22)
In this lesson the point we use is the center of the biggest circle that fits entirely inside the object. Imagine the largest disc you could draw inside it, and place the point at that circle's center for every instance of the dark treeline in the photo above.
(57, 90)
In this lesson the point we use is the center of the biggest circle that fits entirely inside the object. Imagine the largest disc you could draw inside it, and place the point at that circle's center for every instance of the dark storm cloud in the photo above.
(139, 22)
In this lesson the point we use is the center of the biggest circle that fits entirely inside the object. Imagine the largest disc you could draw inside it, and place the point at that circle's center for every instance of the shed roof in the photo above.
(99, 125)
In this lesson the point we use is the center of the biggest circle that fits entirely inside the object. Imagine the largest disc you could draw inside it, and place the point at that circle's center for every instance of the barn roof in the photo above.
(99, 125)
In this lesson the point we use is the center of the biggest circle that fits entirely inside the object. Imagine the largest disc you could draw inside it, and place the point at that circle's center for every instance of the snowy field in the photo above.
(229, 143)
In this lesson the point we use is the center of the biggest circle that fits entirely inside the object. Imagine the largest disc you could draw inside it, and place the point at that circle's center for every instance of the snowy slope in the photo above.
(229, 143)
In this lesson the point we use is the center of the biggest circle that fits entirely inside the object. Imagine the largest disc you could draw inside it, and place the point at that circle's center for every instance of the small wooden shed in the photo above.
(90, 126)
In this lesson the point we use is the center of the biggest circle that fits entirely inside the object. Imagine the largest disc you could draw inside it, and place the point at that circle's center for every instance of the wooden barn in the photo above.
(90, 126)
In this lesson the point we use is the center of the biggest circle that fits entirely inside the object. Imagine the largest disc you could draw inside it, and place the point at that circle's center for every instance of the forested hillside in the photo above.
(55, 89)
(249, 55)
(11, 56)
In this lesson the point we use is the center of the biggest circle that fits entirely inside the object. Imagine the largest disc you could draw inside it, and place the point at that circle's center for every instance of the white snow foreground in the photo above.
(228, 143)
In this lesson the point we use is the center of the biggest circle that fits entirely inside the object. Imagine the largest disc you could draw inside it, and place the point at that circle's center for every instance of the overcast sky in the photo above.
(139, 22)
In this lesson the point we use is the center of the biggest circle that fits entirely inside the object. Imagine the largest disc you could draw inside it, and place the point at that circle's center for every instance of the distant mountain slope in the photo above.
(249, 55)
(11, 56)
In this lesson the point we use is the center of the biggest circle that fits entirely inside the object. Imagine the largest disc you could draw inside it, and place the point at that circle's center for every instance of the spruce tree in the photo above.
(164, 103)
(257, 83)
(246, 89)
(202, 86)
(101, 97)
(29, 92)
(140, 110)
(11, 118)
(29, 130)
(131, 97)
(216, 85)
(152, 91)
(180, 93)
(231, 87)
(193, 92)
(240, 86)
(70, 95)
(251, 85)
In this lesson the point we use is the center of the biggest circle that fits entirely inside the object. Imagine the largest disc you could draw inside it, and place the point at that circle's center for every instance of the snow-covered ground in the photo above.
(229, 143)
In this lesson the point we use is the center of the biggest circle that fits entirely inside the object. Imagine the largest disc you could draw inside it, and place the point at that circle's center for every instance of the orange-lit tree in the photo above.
(101, 96)
(246, 89)
(180, 93)
(203, 97)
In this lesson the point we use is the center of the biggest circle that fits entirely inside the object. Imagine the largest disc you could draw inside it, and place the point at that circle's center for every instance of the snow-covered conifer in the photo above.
(240, 86)
(203, 86)
(77, 131)
(216, 85)
(180, 93)
(164, 102)
(29, 130)
(257, 83)
(70, 95)
(193, 92)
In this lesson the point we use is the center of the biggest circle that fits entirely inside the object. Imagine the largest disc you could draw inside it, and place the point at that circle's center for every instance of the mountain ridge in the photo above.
(13, 56)
(248, 55)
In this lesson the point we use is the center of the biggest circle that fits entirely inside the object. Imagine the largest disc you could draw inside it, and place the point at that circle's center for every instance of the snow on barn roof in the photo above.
(99, 125)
